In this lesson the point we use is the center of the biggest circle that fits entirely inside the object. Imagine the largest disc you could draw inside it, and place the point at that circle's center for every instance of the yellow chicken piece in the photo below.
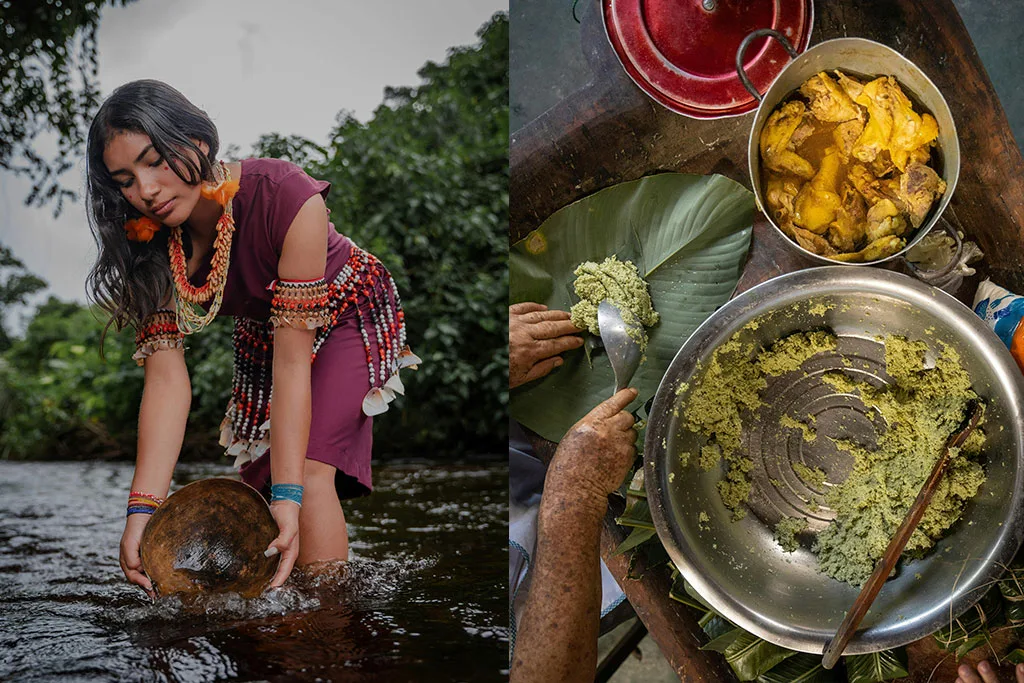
(884, 219)
(878, 130)
(847, 230)
(813, 243)
(780, 194)
(828, 101)
(880, 248)
(852, 86)
(817, 203)
(892, 124)
(775, 141)
(846, 134)
(909, 136)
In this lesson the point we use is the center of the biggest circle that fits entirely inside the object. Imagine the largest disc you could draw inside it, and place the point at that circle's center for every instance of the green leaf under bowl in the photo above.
(748, 655)
(876, 666)
(687, 234)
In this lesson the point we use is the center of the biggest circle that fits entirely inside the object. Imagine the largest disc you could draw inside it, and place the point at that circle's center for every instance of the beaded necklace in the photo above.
(187, 295)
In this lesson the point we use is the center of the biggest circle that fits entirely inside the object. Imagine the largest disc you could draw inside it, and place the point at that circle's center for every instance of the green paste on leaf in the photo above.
(619, 282)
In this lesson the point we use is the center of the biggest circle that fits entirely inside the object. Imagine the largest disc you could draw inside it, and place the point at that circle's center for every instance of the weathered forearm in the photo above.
(557, 639)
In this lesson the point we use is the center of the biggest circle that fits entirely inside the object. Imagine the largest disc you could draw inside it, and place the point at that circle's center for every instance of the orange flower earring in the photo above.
(141, 229)
(224, 191)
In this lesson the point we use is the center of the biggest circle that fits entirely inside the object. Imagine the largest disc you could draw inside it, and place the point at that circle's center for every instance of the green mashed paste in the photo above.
(921, 408)
(617, 281)
(786, 531)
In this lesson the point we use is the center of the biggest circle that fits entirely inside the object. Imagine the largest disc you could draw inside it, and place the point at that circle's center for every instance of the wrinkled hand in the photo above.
(535, 338)
(286, 514)
(985, 673)
(595, 455)
(129, 558)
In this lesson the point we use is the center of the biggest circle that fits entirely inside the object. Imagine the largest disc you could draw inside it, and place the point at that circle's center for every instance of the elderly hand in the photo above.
(535, 338)
(986, 674)
(595, 455)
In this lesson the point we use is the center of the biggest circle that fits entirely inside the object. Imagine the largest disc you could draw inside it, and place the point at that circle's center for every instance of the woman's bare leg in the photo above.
(323, 534)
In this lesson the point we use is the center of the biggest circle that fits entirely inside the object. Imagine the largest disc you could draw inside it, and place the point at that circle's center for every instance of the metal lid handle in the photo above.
(751, 37)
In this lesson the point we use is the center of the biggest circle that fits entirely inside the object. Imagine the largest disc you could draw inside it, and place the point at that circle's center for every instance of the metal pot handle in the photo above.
(751, 37)
(944, 278)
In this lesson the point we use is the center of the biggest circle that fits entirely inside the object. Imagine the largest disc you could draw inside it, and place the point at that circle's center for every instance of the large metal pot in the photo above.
(866, 58)
(737, 566)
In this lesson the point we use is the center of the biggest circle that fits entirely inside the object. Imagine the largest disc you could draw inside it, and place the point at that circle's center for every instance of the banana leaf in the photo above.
(680, 592)
(688, 235)
(748, 655)
(637, 515)
(637, 537)
(1015, 613)
(715, 625)
(988, 613)
(800, 668)
(877, 666)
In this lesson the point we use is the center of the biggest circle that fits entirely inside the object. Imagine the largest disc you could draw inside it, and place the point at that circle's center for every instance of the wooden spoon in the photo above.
(834, 648)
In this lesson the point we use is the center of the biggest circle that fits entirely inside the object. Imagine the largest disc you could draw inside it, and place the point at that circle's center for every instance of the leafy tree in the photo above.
(16, 285)
(48, 83)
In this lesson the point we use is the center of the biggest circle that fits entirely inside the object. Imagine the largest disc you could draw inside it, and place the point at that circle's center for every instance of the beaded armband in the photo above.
(159, 331)
(301, 304)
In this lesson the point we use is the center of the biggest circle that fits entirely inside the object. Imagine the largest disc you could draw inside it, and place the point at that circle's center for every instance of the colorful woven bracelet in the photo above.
(292, 492)
(142, 503)
(297, 303)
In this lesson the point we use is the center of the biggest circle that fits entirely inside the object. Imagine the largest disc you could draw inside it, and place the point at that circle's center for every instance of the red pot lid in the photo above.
(683, 52)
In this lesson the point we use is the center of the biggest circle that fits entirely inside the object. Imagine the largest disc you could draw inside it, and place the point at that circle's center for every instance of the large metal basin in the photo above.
(737, 566)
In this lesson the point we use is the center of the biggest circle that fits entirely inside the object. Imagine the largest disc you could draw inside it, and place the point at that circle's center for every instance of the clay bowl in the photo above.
(209, 537)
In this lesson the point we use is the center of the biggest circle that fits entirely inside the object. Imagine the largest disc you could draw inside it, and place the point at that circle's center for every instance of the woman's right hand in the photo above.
(131, 561)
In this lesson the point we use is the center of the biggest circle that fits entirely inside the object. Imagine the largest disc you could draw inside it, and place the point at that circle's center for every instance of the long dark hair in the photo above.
(131, 280)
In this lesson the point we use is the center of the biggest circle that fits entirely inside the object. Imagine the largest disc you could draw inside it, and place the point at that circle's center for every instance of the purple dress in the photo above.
(356, 356)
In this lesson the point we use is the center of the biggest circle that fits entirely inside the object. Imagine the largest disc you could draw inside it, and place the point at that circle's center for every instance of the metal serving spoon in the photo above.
(620, 332)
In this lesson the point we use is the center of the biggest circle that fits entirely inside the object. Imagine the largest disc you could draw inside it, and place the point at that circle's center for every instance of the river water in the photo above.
(423, 599)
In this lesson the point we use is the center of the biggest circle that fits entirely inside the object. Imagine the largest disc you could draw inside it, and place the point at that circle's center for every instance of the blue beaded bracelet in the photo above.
(292, 492)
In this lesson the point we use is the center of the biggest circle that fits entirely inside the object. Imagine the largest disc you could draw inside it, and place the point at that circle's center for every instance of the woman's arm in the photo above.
(303, 257)
(166, 398)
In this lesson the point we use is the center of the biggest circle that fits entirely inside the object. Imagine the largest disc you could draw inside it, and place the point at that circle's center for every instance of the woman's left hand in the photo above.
(286, 514)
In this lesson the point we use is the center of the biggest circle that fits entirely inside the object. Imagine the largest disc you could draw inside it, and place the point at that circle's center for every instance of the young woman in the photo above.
(319, 330)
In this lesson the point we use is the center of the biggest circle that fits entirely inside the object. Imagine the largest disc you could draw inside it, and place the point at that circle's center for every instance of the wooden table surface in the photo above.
(609, 132)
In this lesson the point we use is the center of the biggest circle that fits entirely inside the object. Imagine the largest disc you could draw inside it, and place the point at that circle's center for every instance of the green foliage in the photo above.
(748, 655)
(59, 399)
(877, 666)
(16, 285)
(423, 185)
(48, 82)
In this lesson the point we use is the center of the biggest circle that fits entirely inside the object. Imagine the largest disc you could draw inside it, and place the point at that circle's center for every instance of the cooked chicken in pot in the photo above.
(845, 167)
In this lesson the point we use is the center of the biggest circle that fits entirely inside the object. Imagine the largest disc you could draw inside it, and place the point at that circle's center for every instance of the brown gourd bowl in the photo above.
(209, 537)
(862, 58)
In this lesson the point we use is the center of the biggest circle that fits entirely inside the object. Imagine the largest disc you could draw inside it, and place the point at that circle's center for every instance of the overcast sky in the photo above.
(256, 67)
